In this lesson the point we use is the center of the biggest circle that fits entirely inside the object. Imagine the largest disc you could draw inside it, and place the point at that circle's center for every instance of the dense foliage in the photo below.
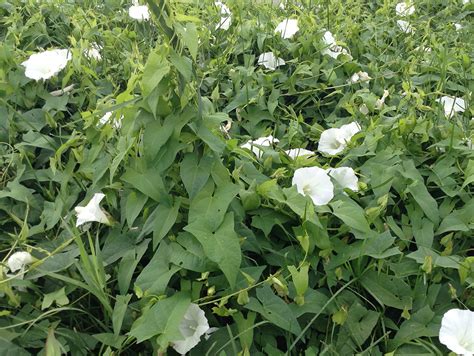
(194, 217)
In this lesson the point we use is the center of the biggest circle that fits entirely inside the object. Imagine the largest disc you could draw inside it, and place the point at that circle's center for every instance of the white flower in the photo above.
(405, 8)
(262, 141)
(46, 64)
(345, 177)
(192, 327)
(92, 211)
(328, 39)
(452, 105)
(360, 77)
(380, 102)
(457, 331)
(458, 26)
(269, 61)
(287, 28)
(106, 118)
(332, 49)
(19, 260)
(294, 153)
(334, 141)
(93, 52)
(139, 12)
(405, 26)
(226, 16)
(465, 1)
(315, 183)
(364, 109)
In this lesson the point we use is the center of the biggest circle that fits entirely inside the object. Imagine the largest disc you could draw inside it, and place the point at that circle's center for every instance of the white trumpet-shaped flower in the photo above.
(315, 183)
(405, 26)
(255, 145)
(360, 77)
(18, 261)
(93, 52)
(380, 102)
(334, 140)
(226, 16)
(269, 61)
(294, 153)
(193, 325)
(116, 123)
(345, 177)
(46, 64)
(332, 48)
(139, 12)
(92, 211)
(452, 105)
(405, 8)
(287, 28)
(457, 331)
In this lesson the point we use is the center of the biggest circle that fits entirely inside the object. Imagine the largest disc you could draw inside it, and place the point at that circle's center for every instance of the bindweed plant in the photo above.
(234, 177)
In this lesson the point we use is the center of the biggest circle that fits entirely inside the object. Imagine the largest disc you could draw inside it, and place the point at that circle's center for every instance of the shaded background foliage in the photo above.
(197, 215)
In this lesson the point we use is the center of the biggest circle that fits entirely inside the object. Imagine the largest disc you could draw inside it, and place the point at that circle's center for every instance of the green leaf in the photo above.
(195, 172)
(134, 206)
(351, 214)
(154, 278)
(165, 217)
(120, 308)
(360, 323)
(419, 191)
(128, 264)
(149, 183)
(58, 296)
(53, 346)
(459, 220)
(212, 206)
(162, 320)
(274, 309)
(156, 68)
(220, 246)
(190, 38)
(387, 290)
(8, 348)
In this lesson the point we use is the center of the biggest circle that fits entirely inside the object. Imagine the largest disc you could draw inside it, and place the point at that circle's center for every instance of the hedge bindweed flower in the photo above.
(18, 261)
(452, 105)
(380, 102)
(106, 118)
(458, 26)
(262, 141)
(405, 26)
(287, 28)
(93, 52)
(226, 16)
(360, 77)
(269, 61)
(345, 177)
(334, 140)
(332, 48)
(405, 8)
(294, 153)
(92, 211)
(315, 183)
(46, 64)
(139, 12)
(457, 331)
(192, 327)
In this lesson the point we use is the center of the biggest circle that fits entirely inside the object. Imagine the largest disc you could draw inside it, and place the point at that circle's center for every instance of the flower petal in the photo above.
(315, 183)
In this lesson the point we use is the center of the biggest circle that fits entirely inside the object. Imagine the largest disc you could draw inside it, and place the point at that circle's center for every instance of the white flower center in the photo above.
(307, 189)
